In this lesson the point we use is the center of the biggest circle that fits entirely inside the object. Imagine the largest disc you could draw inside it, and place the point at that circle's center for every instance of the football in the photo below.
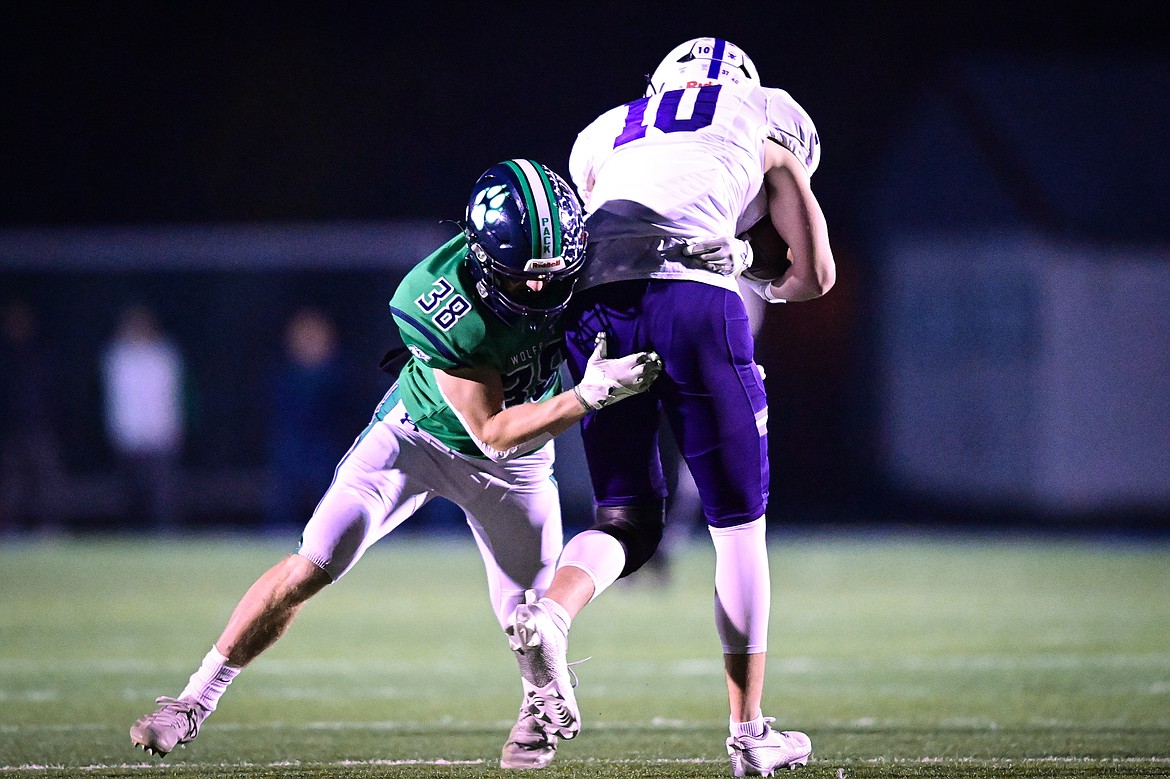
(769, 251)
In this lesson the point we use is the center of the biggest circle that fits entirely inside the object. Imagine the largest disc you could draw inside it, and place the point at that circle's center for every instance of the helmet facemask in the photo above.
(507, 290)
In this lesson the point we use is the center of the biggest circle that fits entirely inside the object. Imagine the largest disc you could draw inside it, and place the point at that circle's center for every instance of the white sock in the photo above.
(558, 613)
(755, 728)
(599, 555)
(743, 590)
(210, 682)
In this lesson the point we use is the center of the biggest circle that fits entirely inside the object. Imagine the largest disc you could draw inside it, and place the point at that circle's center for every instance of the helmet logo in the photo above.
(488, 212)
(548, 265)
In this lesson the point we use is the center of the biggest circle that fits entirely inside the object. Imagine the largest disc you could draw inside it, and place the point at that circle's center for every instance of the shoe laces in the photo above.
(176, 711)
(573, 680)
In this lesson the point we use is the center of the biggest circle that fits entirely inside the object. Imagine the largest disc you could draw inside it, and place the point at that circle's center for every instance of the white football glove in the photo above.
(725, 256)
(608, 381)
(761, 287)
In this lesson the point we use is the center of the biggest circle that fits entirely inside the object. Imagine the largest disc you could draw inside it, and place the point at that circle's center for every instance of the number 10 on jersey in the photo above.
(663, 110)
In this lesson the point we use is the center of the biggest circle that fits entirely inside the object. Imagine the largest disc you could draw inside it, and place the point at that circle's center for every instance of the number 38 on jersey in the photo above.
(443, 304)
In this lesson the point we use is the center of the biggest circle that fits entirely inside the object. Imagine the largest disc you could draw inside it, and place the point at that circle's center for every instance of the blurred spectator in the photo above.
(142, 377)
(31, 475)
(310, 423)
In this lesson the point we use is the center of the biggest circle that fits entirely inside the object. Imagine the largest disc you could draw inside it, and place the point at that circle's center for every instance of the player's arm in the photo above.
(797, 217)
(476, 395)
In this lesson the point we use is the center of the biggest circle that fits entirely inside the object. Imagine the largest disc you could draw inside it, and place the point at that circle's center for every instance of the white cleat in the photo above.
(541, 646)
(775, 749)
(174, 724)
(528, 746)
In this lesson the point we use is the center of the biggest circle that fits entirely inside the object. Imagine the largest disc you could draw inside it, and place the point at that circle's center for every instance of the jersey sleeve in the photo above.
(426, 343)
(591, 147)
(581, 168)
(791, 127)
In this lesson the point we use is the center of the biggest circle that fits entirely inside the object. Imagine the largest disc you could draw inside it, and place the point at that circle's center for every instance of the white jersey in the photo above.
(682, 164)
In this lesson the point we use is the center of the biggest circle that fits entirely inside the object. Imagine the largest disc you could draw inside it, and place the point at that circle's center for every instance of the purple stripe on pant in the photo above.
(710, 391)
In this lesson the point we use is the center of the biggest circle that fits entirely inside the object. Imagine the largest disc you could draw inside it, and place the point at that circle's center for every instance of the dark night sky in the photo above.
(177, 112)
(182, 112)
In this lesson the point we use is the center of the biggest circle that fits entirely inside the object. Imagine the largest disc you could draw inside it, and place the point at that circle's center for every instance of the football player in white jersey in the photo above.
(668, 182)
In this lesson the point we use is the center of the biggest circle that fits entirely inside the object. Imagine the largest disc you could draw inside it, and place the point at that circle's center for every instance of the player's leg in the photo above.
(538, 628)
(717, 409)
(621, 449)
(259, 619)
(513, 510)
(364, 503)
(741, 607)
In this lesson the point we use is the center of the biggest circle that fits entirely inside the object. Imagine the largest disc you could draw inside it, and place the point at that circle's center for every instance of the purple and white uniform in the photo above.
(653, 174)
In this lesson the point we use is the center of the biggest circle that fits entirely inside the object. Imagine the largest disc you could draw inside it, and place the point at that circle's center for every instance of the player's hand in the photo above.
(725, 256)
(607, 381)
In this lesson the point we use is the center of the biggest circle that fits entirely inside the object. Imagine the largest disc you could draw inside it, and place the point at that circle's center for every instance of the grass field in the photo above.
(901, 657)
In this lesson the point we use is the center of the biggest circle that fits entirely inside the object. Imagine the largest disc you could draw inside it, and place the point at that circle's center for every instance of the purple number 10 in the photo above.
(666, 115)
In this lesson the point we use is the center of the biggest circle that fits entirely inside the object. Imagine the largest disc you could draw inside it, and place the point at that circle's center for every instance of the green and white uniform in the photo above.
(415, 447)
(445, 329)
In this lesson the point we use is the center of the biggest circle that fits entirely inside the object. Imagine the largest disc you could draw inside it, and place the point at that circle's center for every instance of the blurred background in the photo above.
(204, 210)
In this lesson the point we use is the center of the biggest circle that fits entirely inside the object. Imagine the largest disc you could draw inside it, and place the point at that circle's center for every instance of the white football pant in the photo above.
(393, 469)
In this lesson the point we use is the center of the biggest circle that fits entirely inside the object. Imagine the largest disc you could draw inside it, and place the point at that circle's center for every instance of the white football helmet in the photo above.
(702, 61)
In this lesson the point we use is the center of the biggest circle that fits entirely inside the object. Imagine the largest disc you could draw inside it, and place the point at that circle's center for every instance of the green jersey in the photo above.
(446, 325)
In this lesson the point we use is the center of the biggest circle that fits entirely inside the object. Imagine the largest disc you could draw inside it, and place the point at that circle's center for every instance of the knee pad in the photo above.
(637, 528)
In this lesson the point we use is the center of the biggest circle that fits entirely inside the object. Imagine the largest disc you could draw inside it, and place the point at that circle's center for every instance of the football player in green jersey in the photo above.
(471, 418)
